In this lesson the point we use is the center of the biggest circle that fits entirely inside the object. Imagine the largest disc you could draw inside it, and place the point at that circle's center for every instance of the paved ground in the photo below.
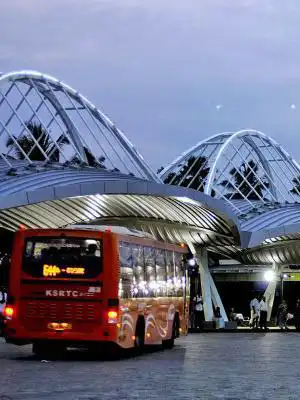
(201, 366)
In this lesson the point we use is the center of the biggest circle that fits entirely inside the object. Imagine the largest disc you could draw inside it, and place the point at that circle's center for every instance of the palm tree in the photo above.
(245, 179)
(192, 174)
(27, 143)
(91, 159)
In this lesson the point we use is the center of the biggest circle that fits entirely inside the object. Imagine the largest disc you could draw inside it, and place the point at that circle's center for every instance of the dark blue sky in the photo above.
(161, 68)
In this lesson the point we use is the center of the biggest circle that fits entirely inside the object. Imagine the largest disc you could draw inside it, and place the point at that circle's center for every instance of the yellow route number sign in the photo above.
(54, 270)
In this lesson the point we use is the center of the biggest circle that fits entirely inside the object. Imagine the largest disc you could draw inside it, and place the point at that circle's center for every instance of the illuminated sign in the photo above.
(54, 270)
(56, 326)
(72, 293)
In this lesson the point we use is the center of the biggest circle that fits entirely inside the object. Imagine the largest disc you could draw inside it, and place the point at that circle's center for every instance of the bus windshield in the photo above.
(62, 257)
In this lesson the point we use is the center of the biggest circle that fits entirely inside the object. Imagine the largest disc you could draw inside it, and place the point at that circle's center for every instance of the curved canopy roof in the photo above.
(51, 196)
(257, 179)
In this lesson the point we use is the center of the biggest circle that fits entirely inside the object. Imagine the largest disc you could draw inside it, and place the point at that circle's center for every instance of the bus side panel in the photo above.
(131, 310)
(129, 314)
(158, 313)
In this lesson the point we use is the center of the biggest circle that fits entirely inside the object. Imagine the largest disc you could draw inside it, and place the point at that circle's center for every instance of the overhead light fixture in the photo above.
(192, 262)
(269, 276)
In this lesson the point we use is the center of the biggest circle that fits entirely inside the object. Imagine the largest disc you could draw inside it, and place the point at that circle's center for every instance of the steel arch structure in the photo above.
(43, 118)
(63, 161)
(247, 169)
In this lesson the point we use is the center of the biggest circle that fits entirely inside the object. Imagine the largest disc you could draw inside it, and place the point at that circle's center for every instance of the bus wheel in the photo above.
(169, 343)
(139, 340)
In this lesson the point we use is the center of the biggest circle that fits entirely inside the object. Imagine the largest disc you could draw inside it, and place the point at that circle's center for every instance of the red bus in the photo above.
(89, 286)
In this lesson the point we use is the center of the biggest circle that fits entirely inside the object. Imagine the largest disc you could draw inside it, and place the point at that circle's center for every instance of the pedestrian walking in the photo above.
(199, 312)
(282, 315)
(263, 309)
(254, 313)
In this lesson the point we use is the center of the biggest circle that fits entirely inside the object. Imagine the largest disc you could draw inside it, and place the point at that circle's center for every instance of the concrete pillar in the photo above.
(271, 289)
(210, 293)
(202, 260)
(217, 299)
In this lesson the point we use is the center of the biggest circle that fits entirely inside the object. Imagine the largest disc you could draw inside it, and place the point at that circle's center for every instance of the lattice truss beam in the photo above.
(246, 169)
(44, 120)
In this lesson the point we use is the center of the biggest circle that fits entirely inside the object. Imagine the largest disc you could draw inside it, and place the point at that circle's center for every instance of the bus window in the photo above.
(126, 273)
(150, 276)
(62, 257)
(161, 273)
(139, 284)
(179, 280)
(170, 273)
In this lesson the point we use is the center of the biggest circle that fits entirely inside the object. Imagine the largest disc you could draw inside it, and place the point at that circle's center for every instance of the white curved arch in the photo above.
(276, 181)
(190, 152)
(243, 132)
(39, 79)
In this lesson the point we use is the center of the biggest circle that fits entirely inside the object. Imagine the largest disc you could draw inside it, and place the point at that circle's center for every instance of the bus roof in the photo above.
(121, 230)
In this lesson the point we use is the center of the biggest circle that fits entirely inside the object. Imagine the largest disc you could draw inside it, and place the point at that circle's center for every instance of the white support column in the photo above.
(205, 284)
(271, 289)
(210, 293)
(217, 299)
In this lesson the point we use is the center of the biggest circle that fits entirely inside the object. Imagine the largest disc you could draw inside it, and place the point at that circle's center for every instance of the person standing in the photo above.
(282, 315)
(254, 313)
(199, 312)
(263, 311)
(297, 316)
(219, 322)
(192, 314)
(3, 300)
(232, 315)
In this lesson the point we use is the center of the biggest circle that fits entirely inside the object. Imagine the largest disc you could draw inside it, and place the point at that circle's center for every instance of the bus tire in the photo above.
(139, 341)
(169, 343)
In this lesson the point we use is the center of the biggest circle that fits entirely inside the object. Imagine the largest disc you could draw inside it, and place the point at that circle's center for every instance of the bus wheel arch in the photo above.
(169, 343)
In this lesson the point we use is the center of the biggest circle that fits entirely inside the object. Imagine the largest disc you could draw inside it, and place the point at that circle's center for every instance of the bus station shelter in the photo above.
(235, 195)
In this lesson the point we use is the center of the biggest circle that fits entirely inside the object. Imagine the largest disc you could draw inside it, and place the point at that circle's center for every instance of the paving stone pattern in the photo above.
(232, 366)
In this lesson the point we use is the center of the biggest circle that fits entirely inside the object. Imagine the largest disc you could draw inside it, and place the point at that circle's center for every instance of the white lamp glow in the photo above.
(269, 275)
(192, 262)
